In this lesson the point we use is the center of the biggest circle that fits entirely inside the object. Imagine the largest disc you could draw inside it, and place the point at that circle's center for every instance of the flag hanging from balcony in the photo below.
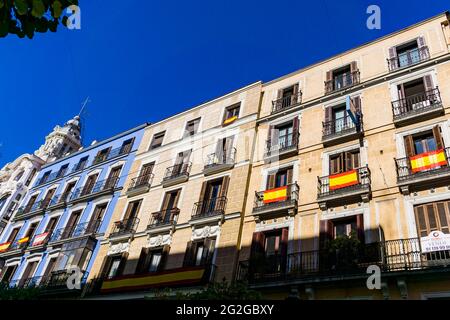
(40, 239)
(230, 120)
(428, 160)
(342, 180)
(4, 246)
(23, 240)
(275, 195)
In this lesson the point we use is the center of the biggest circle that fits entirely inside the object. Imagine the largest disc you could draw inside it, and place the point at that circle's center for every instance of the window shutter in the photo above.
(224, 187)
(421, 42)
(393, 54)
(164, 256)
(271, 181)
(269, 136)
(284, 248)
(443, 217)
(428, 83)
(123, 262)
(189, 254)
(357, 104)
(329, 75)
(326, 233)
(438, 137)
(203, 191)
(328, 114)
(360, 227)
(295, 95)
(348, 160)
(280, 94)
(142, 262)
(409, 146)
(353, 66)
(257, 249)
(165, 203)
(295, 130)
(422, 228)
(289, 175)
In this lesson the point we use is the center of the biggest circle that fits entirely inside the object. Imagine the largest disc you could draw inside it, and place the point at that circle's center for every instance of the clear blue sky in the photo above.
(141, 61)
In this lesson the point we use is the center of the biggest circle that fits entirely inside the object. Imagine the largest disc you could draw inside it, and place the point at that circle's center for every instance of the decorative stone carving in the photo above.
(205, 232)
(160, 240)
(118, 248)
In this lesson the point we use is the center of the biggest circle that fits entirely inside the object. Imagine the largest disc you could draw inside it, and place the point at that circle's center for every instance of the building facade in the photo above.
(368, 129)
(16, 177)
(66, 213)
(178, 220)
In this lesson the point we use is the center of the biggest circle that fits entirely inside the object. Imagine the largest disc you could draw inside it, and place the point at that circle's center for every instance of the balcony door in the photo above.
(344, 161)
(113, 177)
(89, 185)
(8, 274)
(30, 203)
(28, 272)
(200, 252)
(67, 191)
(51, 225)
(13, 235)
(170, 203)
(181, 162)
(281, 178)
(31, 230)
(71, 224)
(423, 142)
(224, 150)
(339, 118)
(144, 175)
(213, 195)
(152, 260)
(48, 197)
(96, 219)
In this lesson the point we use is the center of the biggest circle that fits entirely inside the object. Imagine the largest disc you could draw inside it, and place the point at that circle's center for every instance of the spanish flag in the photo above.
(4, 246)
(230, 120)
(428, 160)
(23, 240)
(342, 180)
(275, 195)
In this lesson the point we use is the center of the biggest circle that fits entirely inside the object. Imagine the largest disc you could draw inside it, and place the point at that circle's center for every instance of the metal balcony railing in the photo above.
(36, 206)
(363, 181)
(408, 58)
(100, 186)
(16, 245)
(263, 202)
(341, 126)
(182, 169)
(55, 280)
(141, 181)
(405, 171)
(391, 256)
(286, 102)
(224, 158)
(209, 207)
(164, 217)
(82, 229)
(417, 104)
(112, 154)
(342, 81)
(59, 199)
(282, 145)
(125, 226)
(79, 166)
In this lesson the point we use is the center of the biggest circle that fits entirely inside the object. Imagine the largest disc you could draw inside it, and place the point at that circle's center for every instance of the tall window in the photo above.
(126, 146)
(191, 127)
(81, 164)
(433, 217)
(30, 177)
(232, 112)
(430, 140)
(280, 178)
(157, 140)
(199, 253)
(344, 161)
(62, 171)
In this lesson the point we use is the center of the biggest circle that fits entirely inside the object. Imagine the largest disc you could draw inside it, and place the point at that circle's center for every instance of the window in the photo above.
(62, 171)
(191, 128)
(284, 136)
(67, 191)
(157, 140)
(199, 253)
(113, 177)
(30, 177)
(114, 269)
(102, 155)
(126, 146)
(408, 53)
(81, 164)
(71, 224)
(44, 177)
(13, 234)
(231, 113)
(51, 225)
(145, 174)
(96, 218)
(430, 140)
(281, 178)
(8, 274)
(30, 203)
(29, 272)
(19, 176)
(132, 210)
(433, 217)
(286, 98)
(89, 185)
(344, 228)
(31, 230)
(269, 250)
(342, 77)
(152, 260)
(344, 161)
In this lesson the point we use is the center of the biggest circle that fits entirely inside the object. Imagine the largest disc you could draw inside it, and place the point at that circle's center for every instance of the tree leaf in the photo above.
(57, 9)
(38, 9)
(21, 6)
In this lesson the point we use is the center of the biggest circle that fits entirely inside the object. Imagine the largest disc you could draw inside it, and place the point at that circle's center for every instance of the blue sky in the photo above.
(141, 61)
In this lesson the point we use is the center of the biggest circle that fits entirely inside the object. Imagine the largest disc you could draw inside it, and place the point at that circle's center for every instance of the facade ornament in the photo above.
(118, 248)
(160, 240)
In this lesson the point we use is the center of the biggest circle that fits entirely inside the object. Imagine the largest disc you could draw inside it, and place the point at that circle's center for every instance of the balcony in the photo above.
(163, 220)
(58, 201)
(79, 166)
(286, 103)
(282, 147)
(80, 230)
(394, 256)
(425, 170)
(99, 188)
(278, 201)
(39, 241)
(176, 174)
(36, 208)
(342, 188)
(14, 248)
(341, 82)
(140, 184)
(111, 154)
(417, 107)
(208, 210)
(408, 58)
(220, 162)
(124, 228)
(341, 130)
(45, 179)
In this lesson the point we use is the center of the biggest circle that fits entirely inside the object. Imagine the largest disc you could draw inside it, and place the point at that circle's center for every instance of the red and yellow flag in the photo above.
(23, 240)
(428, 160)
(230, 120)
(275, 195)
(4, 246)
(342, 180)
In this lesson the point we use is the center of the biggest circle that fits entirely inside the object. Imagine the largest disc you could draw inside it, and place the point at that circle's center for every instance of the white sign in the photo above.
(435, 241)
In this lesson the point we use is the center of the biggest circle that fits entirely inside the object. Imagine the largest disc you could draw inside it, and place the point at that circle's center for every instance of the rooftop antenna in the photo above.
(83, 106)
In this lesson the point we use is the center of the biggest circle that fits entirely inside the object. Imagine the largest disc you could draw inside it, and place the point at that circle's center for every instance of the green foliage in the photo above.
(25, 17)
(215, 291)
(15, 293)
(344, 252)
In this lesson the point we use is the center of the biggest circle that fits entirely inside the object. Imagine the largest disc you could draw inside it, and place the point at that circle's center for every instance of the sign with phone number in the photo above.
(435, 241)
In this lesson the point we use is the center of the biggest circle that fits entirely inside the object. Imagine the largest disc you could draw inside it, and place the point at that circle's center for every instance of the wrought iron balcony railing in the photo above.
(342, 183)
(79, 166)
(82, 229)
(164, 218)
(277, 198)
(100, 186)
(403, 255)
(286, 102)
(112, 154)
(209, 207)
(218, 159)
(341, 127)
(182, 169)
(282, 145)
(35, 207)
(19, 244)
(141, 181)
(408, 58)
(126, 226)
(417, 104)
(59, 199)
(55, 280)
(437, 164)
(342, 81)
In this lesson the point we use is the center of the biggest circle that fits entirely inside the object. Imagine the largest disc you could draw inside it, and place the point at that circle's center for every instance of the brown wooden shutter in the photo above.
(295, 131)
(357, 104)
(393, 58)
(224, 187)
(289, 175)
(360, 227)
(142, 262)
(203, 191)
(271, 181)
(438, 137)
(428, 83)
(280, 94)
(189, 254)
(257, 248)
(444, 216)
(409, 146)
(123, 262)
(284, 248)
(328, 114)
(164, 256)
(422, 228)
(295, 95)
(329, 75)
(326, 233)
(353, 66)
